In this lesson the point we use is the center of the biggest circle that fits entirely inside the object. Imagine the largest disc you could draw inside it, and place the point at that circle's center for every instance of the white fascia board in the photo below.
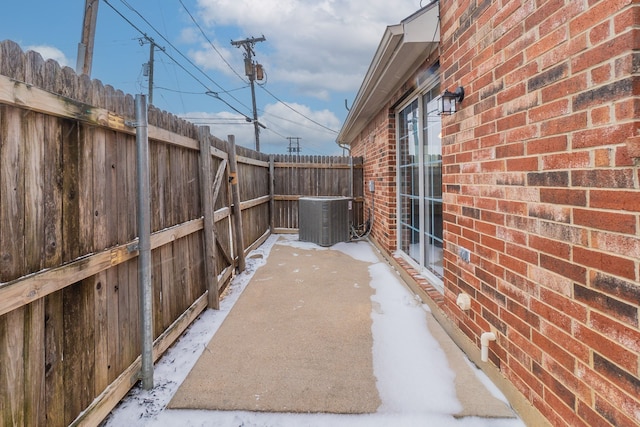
(403, 47)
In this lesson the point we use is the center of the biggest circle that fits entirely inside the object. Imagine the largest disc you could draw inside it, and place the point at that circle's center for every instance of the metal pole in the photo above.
(144, 242)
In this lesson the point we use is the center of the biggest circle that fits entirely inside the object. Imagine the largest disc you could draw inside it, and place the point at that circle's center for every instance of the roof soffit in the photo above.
(402, 49)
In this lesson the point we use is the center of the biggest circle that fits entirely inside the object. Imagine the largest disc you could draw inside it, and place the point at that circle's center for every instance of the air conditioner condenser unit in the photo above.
(324, 220)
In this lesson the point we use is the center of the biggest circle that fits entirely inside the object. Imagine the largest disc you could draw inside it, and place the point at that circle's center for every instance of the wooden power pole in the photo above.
(85, 47)
(150, 65)
(251, 72)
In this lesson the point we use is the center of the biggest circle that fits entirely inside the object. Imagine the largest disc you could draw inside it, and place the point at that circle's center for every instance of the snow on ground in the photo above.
(414, 380)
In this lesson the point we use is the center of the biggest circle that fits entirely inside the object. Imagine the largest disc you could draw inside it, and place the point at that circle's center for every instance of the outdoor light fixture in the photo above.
(448, 100)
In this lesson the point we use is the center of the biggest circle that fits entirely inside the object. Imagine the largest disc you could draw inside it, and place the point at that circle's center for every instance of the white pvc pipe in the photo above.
(484, 345)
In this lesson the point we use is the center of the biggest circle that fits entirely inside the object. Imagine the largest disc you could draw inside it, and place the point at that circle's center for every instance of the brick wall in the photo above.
(376, 144)
(540, 187)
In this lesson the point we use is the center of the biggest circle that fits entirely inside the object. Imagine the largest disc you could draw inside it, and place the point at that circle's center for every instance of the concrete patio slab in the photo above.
(299, 339)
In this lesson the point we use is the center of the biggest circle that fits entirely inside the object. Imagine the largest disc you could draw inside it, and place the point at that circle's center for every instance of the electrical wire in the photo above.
(296, 111)
(195, 93)
(146, 36)
(294, 122)
(215, 95)
(177, 50)
(212, 118)
(211, 43)
(175, 74)
(177, 91)
(208, 90)
(263, 86)
(270, 129)
(207, 123)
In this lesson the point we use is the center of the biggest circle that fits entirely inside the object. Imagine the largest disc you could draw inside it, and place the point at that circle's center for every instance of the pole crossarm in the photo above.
(248, 44)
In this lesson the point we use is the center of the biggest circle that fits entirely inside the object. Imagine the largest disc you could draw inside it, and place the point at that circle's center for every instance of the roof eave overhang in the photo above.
(403, 48)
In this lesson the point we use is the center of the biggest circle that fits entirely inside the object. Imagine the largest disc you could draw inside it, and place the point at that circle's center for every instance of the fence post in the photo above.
(213, 296)
(272, 202)
(144, 242)
(236, 209)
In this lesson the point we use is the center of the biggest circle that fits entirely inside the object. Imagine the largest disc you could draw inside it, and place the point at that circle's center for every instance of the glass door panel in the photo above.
(432, 174)
(420, 185)
(409, 183)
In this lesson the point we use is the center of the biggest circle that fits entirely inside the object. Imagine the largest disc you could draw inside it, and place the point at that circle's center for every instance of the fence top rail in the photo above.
(252, 161)
(326, 160)
(316, 165)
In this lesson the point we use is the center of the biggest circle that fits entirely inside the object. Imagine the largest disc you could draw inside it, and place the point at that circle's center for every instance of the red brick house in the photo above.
(526, 199)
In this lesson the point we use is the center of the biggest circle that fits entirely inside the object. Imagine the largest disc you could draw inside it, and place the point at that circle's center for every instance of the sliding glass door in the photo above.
(420, 185)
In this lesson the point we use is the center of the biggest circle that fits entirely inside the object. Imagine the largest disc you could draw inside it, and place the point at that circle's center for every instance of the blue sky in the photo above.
(315, 56)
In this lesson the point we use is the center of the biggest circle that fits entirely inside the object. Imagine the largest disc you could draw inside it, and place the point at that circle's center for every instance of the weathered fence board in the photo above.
(54, 367)
(69, 311)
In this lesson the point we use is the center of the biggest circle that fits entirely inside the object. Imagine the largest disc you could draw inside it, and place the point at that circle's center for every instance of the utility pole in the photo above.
(148, 71)
(152, 49)
(85, 47)
(294, 148)
(250, 71)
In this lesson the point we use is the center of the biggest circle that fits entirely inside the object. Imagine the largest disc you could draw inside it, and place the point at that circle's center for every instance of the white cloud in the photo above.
(208, 60)
(314, 139)
(318, 46)
(189, 35)
(50, 52)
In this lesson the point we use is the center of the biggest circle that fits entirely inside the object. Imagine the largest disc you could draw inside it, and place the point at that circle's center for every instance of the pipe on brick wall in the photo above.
(485, 338)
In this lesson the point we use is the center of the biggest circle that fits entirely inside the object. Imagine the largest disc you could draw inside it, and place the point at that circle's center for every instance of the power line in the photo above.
(270, 129)
(173, 69)
(208, 91)
(215, 95)
(298, 112)
(214, 123)
(211, 43)
(145, 35)
(294, 122)
(196, 93)
(241, 78)
(178, 91)
(211, 119)
(174, 48)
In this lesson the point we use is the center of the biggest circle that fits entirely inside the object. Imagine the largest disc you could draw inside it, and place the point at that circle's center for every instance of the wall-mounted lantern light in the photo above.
(448, 101)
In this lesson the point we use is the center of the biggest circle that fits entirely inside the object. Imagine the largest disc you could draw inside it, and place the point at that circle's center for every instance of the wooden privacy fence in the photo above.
(69, 315)
(299, 176)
